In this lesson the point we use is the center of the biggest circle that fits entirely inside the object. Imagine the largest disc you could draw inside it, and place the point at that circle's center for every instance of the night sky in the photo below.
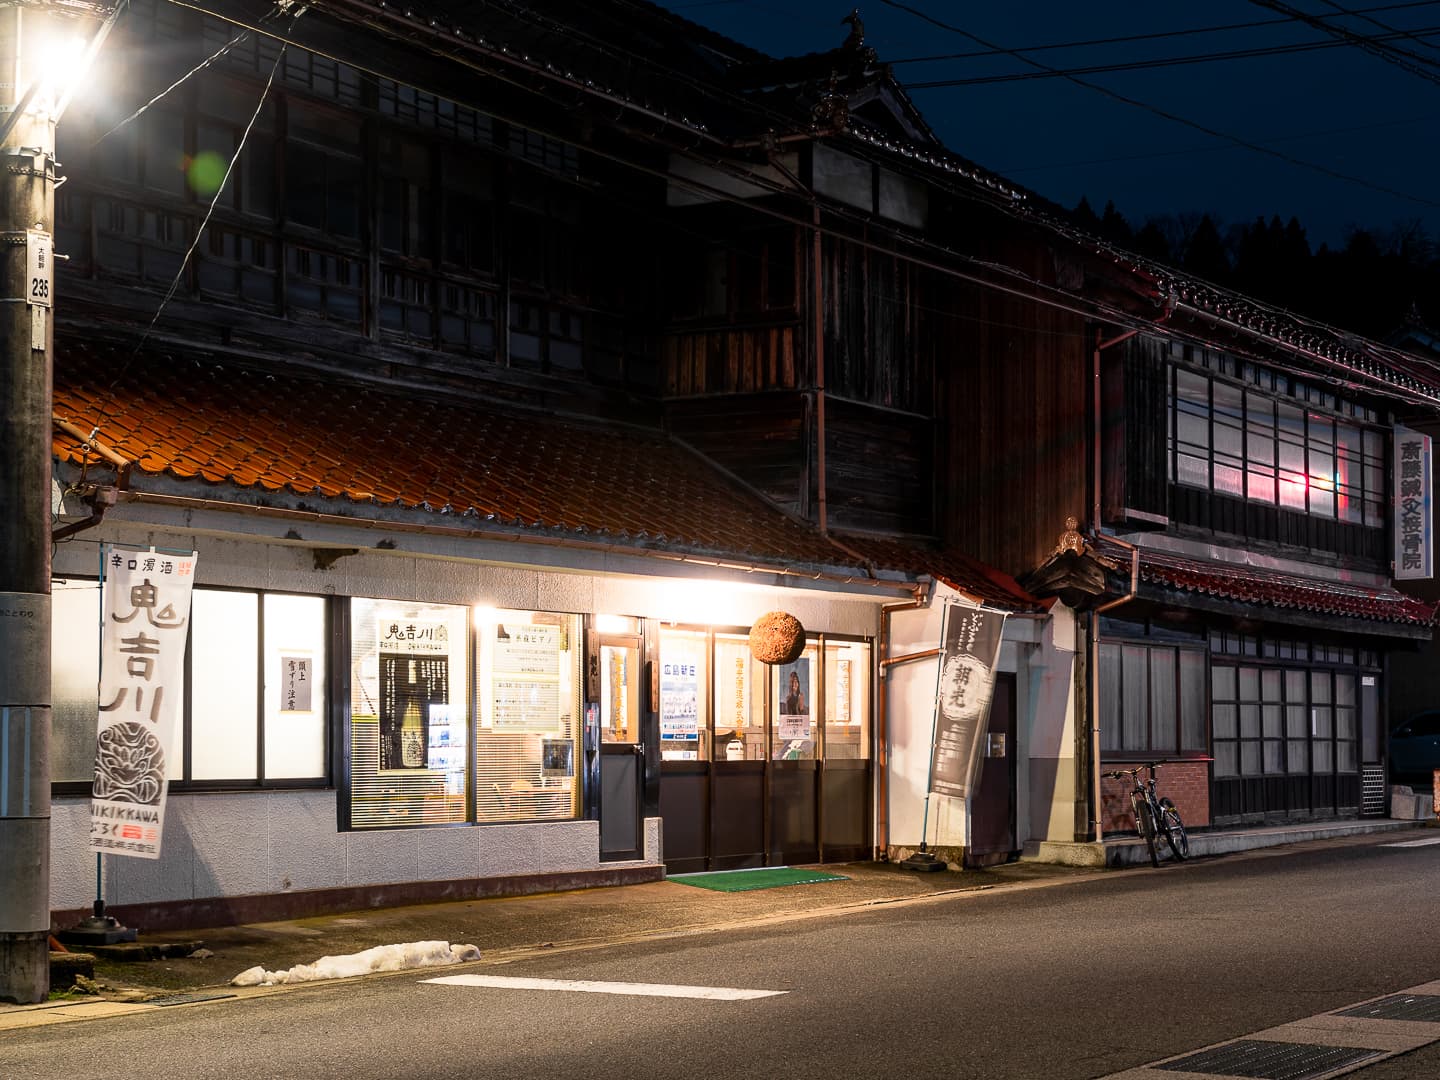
(1336, 109)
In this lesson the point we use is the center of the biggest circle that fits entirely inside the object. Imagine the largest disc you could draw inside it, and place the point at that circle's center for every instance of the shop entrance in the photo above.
(772, 765)
(622, 750)
(992, 825)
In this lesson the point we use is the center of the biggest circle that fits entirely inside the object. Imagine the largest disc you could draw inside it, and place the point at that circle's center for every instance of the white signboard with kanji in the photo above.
(145, 612)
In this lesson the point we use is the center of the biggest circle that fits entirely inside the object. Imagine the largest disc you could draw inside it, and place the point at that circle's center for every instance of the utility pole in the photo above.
(43, 51)
(27, 206)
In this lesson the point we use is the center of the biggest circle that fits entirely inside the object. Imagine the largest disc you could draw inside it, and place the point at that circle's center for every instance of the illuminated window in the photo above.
(1236, 441)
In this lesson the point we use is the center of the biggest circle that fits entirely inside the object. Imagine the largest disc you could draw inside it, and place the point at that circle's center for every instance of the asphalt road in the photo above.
(1077, 980)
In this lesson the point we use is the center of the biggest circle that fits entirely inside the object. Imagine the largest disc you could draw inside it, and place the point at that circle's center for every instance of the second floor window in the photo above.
(1236, 441)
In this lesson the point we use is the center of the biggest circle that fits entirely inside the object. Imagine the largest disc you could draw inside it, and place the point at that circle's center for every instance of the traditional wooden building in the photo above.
(577, 337)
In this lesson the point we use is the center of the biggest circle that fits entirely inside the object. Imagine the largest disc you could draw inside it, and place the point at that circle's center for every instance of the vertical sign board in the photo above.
(970, 649)
(1413, 544)
(145, 608)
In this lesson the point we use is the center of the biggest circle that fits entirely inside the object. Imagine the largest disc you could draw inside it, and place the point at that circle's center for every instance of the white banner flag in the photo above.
(970, 649)
(145, 608)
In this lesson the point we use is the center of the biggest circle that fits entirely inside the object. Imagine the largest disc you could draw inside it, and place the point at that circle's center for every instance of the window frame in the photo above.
(1257, 472)
(184, 785)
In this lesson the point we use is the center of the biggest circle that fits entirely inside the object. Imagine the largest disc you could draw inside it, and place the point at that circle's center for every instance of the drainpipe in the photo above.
(1097, 433)
(818, 303)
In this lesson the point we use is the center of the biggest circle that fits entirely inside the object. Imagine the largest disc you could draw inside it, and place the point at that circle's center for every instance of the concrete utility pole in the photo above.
(27, 204)
(43, 52)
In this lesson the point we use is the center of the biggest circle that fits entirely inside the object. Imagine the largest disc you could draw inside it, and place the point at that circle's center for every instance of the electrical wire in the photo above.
(1159, 62)
(1364, 15)
(1173, 117)
(1420, 66)
(194, 244)
(1127, 39)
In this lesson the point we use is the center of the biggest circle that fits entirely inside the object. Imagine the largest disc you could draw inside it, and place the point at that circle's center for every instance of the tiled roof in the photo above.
(1273, 589)
(443, 459)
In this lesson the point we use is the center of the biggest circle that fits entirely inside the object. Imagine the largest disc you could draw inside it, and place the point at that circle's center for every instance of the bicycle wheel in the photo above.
(1174, 830)
(1145, 826)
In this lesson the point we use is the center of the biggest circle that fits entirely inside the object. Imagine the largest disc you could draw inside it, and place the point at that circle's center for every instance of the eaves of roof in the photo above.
(1272, 593)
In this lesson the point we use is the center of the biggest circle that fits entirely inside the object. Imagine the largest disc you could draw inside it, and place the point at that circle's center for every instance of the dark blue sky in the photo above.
(1332, 109)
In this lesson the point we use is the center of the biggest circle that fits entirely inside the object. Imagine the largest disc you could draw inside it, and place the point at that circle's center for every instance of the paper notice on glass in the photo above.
(295, 682)
(680, 696)
(525, 690)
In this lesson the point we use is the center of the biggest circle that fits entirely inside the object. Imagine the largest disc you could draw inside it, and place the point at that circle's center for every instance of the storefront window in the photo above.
(226, 714)
(847, 701)
(739, 701)
(408, 713)
(222, 742)
(684, 707)
(295, 704)
(793, 735)
(528, 698)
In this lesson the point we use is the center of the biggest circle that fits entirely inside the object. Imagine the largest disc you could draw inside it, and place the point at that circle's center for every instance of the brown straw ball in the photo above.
(777, 638)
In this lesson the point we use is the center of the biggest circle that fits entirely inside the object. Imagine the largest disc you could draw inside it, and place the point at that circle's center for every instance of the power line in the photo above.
(1164, 114)
(1154, 36)
(1159, 62)
(1364, 15)
(1420, 66)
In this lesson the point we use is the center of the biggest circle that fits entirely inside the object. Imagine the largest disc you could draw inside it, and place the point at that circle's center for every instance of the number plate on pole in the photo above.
(39, 267)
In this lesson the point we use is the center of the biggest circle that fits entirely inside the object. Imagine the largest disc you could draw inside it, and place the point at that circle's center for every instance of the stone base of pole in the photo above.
(25, 967)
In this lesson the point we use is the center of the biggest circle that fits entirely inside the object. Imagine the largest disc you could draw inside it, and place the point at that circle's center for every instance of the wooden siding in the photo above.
(732, 360)
(765, 439)
(873, 327)
(1261, 523)
(878, 469)
(1012, 408)
(1136, 476)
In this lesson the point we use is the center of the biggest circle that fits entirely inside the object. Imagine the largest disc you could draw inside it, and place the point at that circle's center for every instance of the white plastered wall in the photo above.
(1040, 653)
(245, 843)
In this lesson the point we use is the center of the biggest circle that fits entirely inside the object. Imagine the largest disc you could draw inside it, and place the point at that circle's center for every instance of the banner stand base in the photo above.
(924, 861)
(98, 929)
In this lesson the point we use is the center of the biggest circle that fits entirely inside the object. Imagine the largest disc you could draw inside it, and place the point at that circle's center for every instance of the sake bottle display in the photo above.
(412, 738)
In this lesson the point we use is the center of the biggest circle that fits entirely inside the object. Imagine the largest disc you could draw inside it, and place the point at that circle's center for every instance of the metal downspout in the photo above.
(1096, 486)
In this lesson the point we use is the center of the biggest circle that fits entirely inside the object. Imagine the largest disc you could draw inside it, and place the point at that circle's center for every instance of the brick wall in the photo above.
(1185, 783)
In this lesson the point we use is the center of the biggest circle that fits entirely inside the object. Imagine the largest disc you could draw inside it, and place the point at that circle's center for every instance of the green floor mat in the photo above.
(745, 880)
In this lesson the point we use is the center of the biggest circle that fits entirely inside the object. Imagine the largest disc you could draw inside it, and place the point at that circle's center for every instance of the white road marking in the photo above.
(712, 993)
(1414, 843)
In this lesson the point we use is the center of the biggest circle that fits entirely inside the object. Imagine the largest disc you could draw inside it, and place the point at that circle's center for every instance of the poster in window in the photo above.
(970, 649)
(445, 750)
(525, 687)
(795, 692)
(680, 696)
(409, 687)
(296, 678)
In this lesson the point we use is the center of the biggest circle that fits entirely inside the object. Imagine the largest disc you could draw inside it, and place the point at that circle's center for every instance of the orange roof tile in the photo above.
(190, 418)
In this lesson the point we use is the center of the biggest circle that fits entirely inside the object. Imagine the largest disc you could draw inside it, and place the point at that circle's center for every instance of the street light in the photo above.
(45, 49)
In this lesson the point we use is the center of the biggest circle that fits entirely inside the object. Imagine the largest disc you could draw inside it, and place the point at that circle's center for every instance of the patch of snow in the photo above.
(414, 954)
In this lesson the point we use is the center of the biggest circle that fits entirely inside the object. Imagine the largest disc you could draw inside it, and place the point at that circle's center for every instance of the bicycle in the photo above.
(1154, 816)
